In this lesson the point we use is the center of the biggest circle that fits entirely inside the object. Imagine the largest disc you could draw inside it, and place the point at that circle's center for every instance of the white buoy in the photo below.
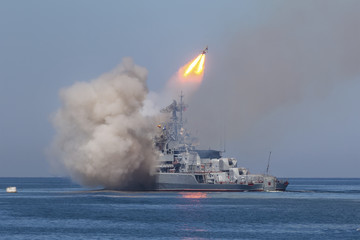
(11, 189)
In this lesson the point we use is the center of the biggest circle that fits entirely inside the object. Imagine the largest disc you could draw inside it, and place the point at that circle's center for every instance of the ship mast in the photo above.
(181, 110)
(268, 165)
(175, 128)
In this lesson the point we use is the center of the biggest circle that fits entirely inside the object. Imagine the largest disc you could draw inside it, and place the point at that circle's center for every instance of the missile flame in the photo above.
(198, 62)
(189, 77)
(201, 64)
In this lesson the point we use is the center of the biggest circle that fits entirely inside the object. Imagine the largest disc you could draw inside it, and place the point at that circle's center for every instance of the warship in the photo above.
(183, 167)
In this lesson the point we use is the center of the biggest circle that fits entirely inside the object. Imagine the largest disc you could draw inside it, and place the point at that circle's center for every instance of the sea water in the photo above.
(56, 208)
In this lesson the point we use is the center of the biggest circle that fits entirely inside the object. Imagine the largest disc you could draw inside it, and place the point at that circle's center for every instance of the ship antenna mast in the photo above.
(268, 165)
(181, 109)
(181, 114)
(224, 138)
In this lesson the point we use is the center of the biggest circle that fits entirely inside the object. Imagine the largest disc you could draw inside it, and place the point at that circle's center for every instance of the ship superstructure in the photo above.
(183, 167)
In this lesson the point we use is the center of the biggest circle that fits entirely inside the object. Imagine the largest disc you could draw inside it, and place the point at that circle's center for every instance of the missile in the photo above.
(205, 50)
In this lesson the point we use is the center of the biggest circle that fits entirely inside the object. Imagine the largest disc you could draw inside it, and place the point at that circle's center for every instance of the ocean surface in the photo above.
(56, 208)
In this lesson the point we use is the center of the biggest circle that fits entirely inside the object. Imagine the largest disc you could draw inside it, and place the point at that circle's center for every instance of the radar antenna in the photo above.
(174, 108)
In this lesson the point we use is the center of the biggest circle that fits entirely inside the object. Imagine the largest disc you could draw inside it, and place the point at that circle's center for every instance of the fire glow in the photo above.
(194, 195)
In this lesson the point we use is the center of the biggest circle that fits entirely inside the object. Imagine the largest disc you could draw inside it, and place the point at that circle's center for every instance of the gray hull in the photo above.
(281, 185)
(188, 182)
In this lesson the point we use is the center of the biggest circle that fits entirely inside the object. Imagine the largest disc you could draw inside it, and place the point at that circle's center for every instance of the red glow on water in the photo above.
(194, 195)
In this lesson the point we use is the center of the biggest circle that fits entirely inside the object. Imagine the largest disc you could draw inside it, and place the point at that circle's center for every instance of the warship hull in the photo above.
(188, 182)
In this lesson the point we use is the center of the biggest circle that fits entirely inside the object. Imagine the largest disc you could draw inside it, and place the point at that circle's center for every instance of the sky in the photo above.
(280, 76)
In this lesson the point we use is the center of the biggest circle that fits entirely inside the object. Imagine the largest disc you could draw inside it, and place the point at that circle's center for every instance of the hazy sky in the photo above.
(312, 127)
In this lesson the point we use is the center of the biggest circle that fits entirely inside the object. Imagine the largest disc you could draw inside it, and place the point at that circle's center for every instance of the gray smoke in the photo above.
(302, 50)
(102, 137)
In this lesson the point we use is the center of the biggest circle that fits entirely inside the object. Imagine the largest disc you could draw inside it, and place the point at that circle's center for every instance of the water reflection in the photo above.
(193, 195)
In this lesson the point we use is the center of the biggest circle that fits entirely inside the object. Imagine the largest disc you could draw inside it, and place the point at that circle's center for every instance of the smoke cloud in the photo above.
(102, 136)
